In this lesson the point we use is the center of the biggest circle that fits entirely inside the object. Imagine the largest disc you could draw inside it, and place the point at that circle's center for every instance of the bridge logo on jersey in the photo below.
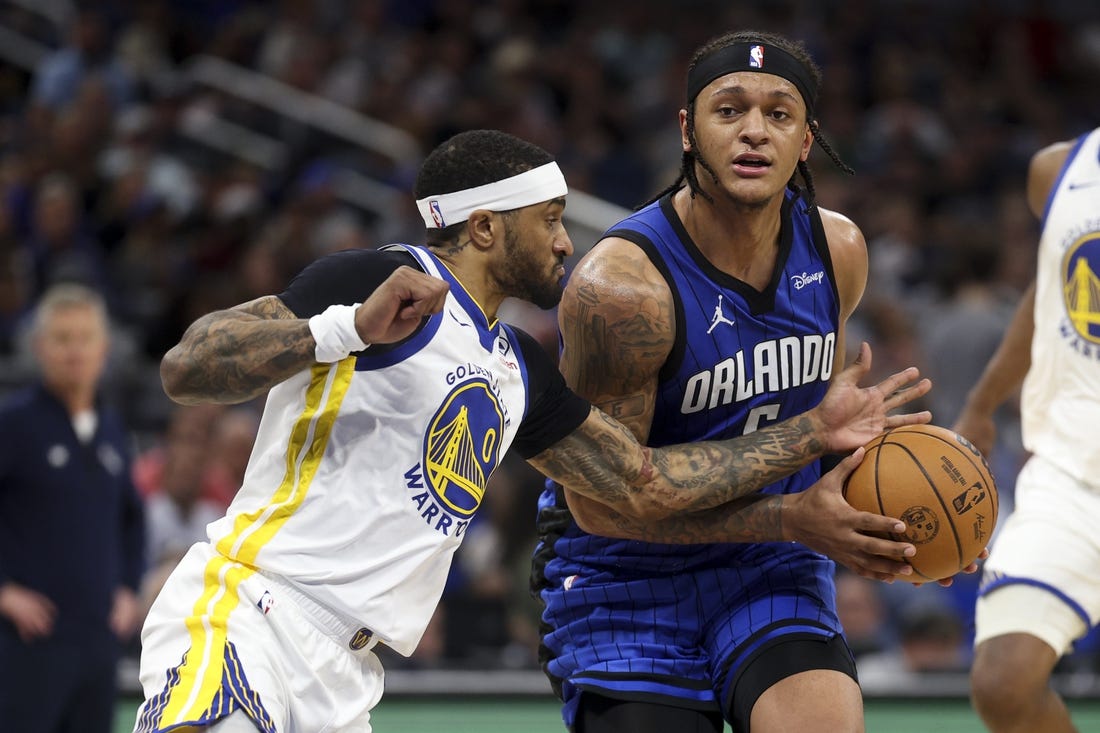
(1081, 287)
(462, 446)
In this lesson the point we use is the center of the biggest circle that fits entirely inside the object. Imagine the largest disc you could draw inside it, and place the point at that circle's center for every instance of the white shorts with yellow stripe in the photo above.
(221, 637)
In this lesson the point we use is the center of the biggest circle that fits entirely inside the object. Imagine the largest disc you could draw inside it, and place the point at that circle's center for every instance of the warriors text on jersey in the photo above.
(1061, 393)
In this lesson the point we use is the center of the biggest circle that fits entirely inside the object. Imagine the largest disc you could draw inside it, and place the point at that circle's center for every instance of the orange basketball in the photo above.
(936, 482)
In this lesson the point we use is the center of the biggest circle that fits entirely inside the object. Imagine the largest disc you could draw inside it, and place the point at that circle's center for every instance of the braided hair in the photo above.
(690, 157)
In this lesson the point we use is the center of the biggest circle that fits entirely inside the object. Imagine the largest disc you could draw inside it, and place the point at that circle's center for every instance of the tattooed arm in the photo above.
(234, 355)
(819, 518)
(237, 354)
(603, 461)
(618, 326)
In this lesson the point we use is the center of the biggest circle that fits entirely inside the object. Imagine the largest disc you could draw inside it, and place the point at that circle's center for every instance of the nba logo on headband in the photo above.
(756, 57)
(437, 215)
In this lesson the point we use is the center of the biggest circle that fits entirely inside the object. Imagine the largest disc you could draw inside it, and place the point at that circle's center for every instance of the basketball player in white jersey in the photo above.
(1040, 591)
(393, 392)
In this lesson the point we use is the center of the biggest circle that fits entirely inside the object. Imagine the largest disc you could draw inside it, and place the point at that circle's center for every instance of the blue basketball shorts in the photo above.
(681, 639)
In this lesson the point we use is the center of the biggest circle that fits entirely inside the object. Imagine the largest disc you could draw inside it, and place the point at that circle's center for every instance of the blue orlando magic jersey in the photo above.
(742, 359)
(660, 622)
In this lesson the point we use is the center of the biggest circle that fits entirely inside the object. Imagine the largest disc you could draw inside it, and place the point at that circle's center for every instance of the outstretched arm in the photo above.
(603, 460)
(818, 518)
(237, 354)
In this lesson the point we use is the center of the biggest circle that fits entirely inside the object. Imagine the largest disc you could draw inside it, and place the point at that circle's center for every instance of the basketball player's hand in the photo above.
(851, 415)
(821, 519)
(395, 309)
(31, 613)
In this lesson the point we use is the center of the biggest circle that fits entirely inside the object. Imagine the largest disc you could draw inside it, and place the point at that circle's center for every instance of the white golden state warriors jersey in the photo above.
(1061, 393)
(367, 472)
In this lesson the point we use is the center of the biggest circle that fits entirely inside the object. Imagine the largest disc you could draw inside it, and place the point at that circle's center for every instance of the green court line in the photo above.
(487, 715)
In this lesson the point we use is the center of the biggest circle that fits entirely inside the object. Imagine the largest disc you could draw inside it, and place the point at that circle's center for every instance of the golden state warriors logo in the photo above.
(463, 445)
(1081, 286)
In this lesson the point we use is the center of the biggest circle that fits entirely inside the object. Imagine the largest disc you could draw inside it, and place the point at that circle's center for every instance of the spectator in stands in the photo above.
(87, 53)
(863, 614)
(194, 427)
(931, 642)
(59, 247)
(177, 512)
(234, 435)
(70, 529)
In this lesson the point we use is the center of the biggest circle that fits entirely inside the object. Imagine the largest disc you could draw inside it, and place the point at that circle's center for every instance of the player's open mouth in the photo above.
(750, 165)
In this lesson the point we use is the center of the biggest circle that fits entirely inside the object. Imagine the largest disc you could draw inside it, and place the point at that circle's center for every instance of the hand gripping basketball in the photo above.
(940, 485)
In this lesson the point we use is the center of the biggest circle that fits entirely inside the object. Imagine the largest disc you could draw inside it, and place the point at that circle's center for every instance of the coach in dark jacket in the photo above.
(71, 530)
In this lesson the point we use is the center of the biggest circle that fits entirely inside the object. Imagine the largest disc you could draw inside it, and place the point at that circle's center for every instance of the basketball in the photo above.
(939, 484)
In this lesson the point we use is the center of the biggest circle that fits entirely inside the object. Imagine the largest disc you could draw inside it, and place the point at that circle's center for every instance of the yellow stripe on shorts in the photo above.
(201, 672)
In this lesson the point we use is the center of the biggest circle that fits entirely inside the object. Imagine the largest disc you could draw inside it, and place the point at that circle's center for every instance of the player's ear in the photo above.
(482, 226)
(807, 143)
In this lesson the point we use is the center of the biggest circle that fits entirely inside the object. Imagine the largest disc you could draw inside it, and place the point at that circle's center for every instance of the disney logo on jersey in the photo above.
(771, 366)
(801, 281)
(1081, 291)
(461, 450)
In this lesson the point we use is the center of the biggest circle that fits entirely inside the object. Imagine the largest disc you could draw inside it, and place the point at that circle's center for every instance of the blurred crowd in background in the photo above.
(122, 168)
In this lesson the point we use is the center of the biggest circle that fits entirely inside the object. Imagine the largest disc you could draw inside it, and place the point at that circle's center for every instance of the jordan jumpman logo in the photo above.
(719, 316)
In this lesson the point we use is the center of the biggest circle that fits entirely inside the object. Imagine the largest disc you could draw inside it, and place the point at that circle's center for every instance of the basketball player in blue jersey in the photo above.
(393, 393)
(1040, 592)
(715, 311)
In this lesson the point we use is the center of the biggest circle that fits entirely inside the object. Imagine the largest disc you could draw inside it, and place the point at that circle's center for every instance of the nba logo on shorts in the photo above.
(756, 57)
(266, 602)
(437, 214)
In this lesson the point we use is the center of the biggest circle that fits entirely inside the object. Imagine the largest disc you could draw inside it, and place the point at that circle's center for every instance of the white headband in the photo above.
(530, 187)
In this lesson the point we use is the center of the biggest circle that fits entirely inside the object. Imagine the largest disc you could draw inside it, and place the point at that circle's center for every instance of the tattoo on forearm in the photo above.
(234, 355)
(603, 462)
(755, 518)
(716, 472)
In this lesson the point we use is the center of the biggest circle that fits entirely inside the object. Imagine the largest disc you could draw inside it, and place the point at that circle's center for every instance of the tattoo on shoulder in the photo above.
(611, 343)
